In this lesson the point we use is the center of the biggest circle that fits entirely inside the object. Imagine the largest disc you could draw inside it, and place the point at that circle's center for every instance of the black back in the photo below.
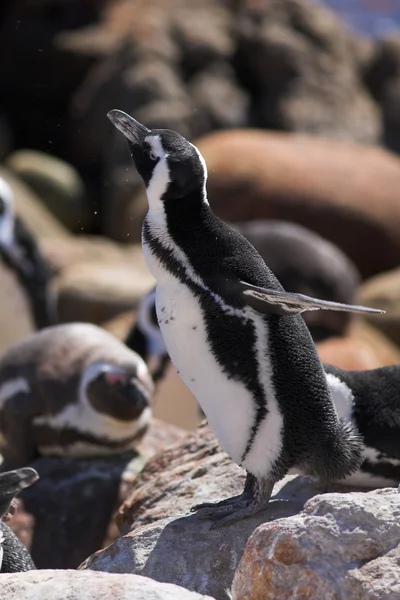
(16, 557)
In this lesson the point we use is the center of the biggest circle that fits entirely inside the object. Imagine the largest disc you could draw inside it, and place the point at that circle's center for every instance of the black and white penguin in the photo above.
(14, 557)
(72, 390)
(21, 254)
(370, 400)
(302, 261)
(236, 338)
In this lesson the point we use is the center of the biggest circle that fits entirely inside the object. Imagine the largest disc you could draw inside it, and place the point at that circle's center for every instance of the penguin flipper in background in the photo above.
(281, 302)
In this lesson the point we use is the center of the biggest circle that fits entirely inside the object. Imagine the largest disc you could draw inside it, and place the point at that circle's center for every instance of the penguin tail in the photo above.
(342, 454)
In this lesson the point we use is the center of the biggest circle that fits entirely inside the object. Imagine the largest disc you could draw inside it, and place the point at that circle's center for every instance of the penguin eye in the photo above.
(152, 154)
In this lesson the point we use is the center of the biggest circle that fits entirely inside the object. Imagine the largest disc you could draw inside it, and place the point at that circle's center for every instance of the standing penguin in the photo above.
(303, 261)
(14, 557)
(235, 336)
(20, 252)
(71, 390)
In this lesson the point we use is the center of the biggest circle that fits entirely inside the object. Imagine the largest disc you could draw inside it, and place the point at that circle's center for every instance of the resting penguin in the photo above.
(21, 254)
(236, 338)
(14, 557)
(303, 261)
(71, 390)
(370, 400)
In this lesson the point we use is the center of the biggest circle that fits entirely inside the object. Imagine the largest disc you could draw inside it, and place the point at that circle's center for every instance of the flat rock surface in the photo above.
(74, 585)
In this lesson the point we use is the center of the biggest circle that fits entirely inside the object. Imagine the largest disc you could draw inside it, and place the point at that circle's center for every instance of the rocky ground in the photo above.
(297, 119)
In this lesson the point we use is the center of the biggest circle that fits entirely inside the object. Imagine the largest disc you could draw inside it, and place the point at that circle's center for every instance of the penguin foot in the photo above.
(254, 498)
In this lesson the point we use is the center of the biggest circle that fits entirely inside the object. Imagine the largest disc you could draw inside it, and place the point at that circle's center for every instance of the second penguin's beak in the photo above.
(134, 131)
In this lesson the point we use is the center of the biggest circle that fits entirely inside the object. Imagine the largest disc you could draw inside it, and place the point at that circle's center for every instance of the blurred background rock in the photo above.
(318, 81)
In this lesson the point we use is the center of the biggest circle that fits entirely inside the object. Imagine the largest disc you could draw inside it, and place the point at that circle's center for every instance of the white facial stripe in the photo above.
(203, 164)
(155, 142)
(12, 387)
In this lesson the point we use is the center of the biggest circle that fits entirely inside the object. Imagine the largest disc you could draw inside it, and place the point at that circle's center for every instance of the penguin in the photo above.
(21, 254)
(235, 336)
(14, 557)
(303, 262)
(71, 390)
(370, 401)
(145, 337)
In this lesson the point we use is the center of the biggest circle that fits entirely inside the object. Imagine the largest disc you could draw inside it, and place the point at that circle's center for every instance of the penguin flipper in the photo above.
(280, 302)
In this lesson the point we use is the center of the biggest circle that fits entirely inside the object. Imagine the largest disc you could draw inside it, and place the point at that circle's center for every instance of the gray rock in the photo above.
(340, 546)
(185, 551)
(59, 585)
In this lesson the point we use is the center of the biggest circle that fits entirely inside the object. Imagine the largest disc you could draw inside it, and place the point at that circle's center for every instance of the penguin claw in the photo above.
(202, 505)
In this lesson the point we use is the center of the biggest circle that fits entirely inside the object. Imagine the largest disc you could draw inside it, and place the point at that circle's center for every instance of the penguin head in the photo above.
(171, 167)
(12, 483)
(120, 392)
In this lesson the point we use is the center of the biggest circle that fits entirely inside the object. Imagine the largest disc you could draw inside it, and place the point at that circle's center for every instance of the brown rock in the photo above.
(302, 68)
(331, 550)
(77, 499)
(383, 290)
(364, 347)
(345, 192)
(95, 292)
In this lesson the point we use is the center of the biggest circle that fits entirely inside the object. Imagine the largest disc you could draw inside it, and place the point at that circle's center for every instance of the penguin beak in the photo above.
(134, 131)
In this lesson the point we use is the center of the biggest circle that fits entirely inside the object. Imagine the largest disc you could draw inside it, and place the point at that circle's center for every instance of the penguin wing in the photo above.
(280, 302)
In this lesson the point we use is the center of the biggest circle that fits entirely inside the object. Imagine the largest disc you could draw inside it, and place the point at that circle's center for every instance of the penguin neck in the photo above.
(7, 229)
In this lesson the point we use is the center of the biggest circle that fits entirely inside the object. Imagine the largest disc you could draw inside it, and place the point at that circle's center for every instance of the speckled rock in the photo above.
(164, 551)
(77, 499)
(74, 585)
(383, 290)
(363, 347)
(340, 546)
(345, 192)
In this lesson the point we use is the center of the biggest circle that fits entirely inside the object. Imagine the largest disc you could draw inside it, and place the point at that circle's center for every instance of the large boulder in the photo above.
(302, 68)
(340, 546)
(345, 192)
(75, 585)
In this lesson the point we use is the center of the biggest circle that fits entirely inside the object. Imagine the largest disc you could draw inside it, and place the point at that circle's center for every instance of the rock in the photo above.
(77, 499)
(41, 222)
(193, 470)
(57, 184)
(74, 585)
(73, 250)
(345, 192)
(340, 546)
(383, 290)
(302, 69)
(217, 100)
(95, 292)
(382, 74)
(364, 347)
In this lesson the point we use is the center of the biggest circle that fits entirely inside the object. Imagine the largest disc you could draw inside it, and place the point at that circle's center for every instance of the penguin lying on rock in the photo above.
(370, 400)
(71, 390)
(21, 254)
(303, 262)
(14, 557)
(235, 336)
